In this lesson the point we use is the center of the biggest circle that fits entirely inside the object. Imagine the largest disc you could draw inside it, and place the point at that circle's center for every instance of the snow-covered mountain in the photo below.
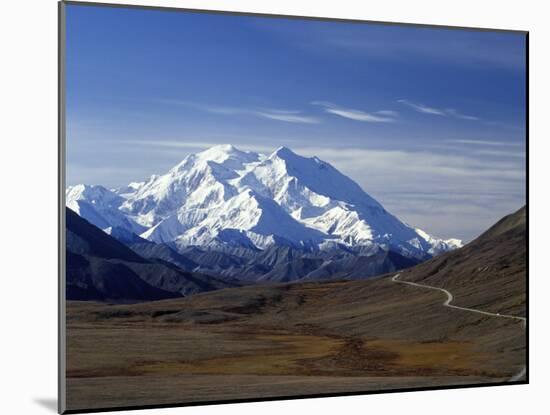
(224, 197)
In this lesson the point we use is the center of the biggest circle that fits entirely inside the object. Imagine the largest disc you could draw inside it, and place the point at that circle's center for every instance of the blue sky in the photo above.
(428, 121)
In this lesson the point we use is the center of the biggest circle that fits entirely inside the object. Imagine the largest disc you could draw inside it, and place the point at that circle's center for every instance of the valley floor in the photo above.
(282, 340)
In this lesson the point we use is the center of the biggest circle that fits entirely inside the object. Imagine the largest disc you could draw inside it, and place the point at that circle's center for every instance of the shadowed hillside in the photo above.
(489, 273)
(101, 268)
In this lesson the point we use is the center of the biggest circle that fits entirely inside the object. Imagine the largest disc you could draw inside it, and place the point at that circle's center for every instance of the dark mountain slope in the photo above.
(101, 268)
(287, 264)
(361, 266)
(292, 270)
(85, 238)
(98, 279)
(213, 260)
(489, 273)
(152, 250)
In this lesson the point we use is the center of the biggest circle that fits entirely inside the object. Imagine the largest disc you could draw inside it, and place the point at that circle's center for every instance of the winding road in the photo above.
(447, 303)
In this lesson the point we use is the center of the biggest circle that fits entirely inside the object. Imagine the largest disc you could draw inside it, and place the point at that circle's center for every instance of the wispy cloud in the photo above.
(421, 107)
(480, 149)
(486, 143)
(78, 173)
(437, 111)
(501, 153)
(271, 114)
(287, 116)
(456, 114)
(357, 115)
(406, 162)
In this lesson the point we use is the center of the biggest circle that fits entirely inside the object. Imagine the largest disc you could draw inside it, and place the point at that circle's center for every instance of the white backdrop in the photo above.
(28, 197)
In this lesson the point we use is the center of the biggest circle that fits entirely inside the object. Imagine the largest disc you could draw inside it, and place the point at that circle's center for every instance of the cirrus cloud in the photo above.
(357, 115)
(271, 114)
(451, 112)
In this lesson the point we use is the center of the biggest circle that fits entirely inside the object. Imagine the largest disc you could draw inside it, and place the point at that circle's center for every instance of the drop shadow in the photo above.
(48, 403)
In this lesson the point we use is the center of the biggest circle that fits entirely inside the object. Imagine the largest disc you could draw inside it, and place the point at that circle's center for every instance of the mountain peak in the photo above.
(224, 148)
(89, 191)
(223, 152)
(284, 152)
(286, 196)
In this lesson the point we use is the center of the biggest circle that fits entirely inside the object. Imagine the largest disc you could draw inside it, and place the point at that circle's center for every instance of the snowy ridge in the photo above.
(101, 207)
(227, 197)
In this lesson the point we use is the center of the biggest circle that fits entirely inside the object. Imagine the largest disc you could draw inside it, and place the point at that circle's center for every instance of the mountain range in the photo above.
(241, 214)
